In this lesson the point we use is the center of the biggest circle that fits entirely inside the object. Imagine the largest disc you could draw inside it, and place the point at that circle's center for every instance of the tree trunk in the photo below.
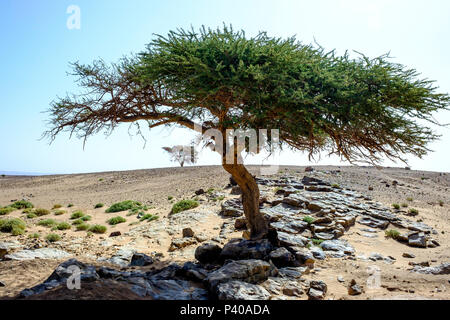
(250, 199)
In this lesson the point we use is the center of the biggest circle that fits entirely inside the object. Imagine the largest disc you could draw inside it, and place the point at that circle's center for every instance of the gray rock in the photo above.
(42, 253)
(7, 247)
(441, 269)
(181, 243)
(174, 290)
(289, 240)
(232, 208)
(140, 260)
(417, 239)
(281, 257)
(238, 249)
(2, 284)
(338, 246)
(373, 223)
(208, 253)
(252, 271)
(292, 272)
(239, 290)
(317, 252)
(314, 294)
(304, 257)
(354, 289)
(296, 200)
(115, 234)
(408, 255)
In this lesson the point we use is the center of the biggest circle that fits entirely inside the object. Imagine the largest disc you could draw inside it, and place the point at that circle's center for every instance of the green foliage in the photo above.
(15, 226)
(316, 242)
(308, 219)
(47, 223)
(335, 185)
(63, 226)
(116, 220)
(82, 227)
(391, 233)
(27, 210)
(57, 206)
(410, 199)
(31, 215)
(70, 205)
(441, 203)
(184, 205)
(6, 210)
(77, 215)
(97, 228)
(413, 212)
(53, 237)
(124, 206)
(396, 206)
(99, 205)
(149, 217)
(41, 212)
(60, 212)
(86, 218)
(169, 198)
(22, 204)
(404, 205)
(34, 236)
(77, 222)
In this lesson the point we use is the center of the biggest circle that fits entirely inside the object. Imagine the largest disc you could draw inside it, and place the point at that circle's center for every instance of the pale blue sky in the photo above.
(37, 46)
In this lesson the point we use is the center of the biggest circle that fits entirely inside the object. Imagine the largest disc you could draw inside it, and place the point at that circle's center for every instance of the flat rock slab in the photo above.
(42, 253)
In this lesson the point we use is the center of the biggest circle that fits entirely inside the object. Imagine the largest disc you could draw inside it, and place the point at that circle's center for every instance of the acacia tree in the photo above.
(182, 154)
(358, 108)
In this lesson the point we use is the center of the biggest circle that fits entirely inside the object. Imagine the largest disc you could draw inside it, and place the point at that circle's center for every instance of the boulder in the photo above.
(289, 240)
(337, 246)
(232, 208)
(417, 239)
(181, 243)
(140, 260)
(187, 233)
(115, 234)
(304, 257)
(199, 192)
(354, 289)
(441, 269)
(239, 290)
(281, 257)
(239, 249)
(208, 253)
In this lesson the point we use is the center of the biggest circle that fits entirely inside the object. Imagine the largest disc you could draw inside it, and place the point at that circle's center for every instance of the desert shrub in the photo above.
(47, 223)
(413, 212)
(316, 242)
(335, 185)
(14, 226)
(184, 205)
(77, 215)
(210, 190)
(22, 204)
(99, 205)
(27, 210)
(391, 233)
(60, 212)
(6, 210)
(123, 206)
(308, 219)
(441, 203)
(116, 220)
(70, 205)
(404, 205)
(82, 227)
(57, 206)
(101, 179)
(409, 199)
(396, 206)
(86, 218)
(78, 221)
(63, 226)
(53, 237)
(169, 198)
(41, 212)
(149, 217)
(97, 228)
(31, 215)
(34, 236)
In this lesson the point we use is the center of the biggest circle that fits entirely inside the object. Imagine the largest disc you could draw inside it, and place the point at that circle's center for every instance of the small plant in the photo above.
(63, 226)
(210, 190)
(396, 206)
(441, 203)
(410, 199)
(31, 215)
(99, 205)
(70, 205)
(6, 210)
(391, 233)
(413, 212)
(47, 223)
(27, 210)
(404, 205)
(82, 227)
(116, 220)
(220, 198)
(308, 219)
(86, 218)
(53, 237)
(22, 204)
(60, 212)
(149, 217)
(77, 215)
(77, 222)
(184, 205)
(169, 198)
(97, 228)
(316, 242)
(41, 212)
(57, 206)
(101, 179)
(335, 185)
(15, 226)
(123, 206)
(34, 236)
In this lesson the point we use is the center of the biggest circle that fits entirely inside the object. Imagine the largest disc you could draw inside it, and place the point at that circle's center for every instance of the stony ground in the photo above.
(351, 207)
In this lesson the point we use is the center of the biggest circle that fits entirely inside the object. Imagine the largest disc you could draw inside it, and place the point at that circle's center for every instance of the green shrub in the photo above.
(82, 227)
(404, 205)
(27, 210)
(396, 206)
(409, 199)
(86, 218)
(6, 210)
(97, 228)
(15, 226)
(78, 221)
(63, 226)
(60, 212)
(123, 206)
(169, 198)
(116, 220)
(47, 223)
(99, 205)
(101, 179)
(391, 233)
(22, 204)
(34, 236)
(335, 185)
(31, 215)
(77, 215)
(441, 203)
(41, 212)
(53, 237)
(57, 206)
(149, 217)
(308, 219)
(316, 242)
(70, 205)
(184, 205)
(413, 212)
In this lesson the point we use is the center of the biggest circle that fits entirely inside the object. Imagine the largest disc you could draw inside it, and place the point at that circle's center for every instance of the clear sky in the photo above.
(36, 46)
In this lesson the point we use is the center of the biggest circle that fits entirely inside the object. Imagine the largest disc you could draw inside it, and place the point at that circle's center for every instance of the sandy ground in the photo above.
(154, 187)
